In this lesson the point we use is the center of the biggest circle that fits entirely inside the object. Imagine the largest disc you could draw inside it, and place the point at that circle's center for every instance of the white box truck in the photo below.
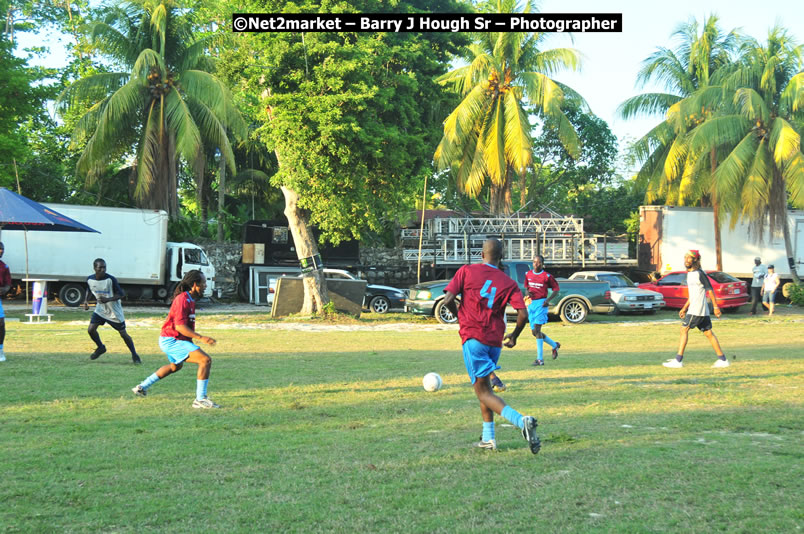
(666, 233)
(132, 241)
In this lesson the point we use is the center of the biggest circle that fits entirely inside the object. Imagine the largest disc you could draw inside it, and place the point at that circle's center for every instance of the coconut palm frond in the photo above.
(557, 60)
(785, 142)
(492, 137)
(91, 89)
(731, 172)
(647, 104)
(751, 105)
(794, 180)
(518, 141)
(179, 120)
(793, 94)
(213, 130)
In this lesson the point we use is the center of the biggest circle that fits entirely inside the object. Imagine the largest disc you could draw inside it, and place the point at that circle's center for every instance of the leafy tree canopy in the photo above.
(352, 117)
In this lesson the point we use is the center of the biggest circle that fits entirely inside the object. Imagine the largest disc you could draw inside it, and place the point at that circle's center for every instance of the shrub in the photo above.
(794, 292)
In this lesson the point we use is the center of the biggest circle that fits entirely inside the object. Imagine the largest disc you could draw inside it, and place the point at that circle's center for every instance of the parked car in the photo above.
(730, 292)
(626, 295)
(378, 299)
(573, 303)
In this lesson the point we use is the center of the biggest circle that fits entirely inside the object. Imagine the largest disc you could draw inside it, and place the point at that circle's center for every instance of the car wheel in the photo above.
(443, 314)
(72, 295)
(574, 311)
(379, 304)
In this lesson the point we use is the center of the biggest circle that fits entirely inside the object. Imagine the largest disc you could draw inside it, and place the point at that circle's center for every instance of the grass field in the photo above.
(328, 429)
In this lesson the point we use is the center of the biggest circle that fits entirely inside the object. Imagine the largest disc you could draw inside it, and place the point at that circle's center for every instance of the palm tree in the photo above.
(488, 136)
(697, 62)
(165, 104)
(758, 128)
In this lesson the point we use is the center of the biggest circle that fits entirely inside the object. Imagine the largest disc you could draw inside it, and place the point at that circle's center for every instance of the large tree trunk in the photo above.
(315, 285)
(221, 196)
(173, 178)
(716, 211)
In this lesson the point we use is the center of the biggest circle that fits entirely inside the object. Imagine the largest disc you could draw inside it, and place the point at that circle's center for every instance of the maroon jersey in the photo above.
(5, 275)
(182, 311)
(484, 291)
(537, 283)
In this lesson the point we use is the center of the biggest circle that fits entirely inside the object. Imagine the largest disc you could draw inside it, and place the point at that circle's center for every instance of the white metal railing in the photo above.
(556, 250)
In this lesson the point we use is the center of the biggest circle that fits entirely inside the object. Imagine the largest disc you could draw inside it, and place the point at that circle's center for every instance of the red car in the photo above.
(730, 292)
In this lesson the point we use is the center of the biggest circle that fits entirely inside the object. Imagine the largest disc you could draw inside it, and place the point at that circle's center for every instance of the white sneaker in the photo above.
(2, 355)
(721, 363)
(205, 403)
(490, 444)
(675, 364)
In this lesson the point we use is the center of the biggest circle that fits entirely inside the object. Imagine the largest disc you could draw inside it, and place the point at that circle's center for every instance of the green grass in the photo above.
(330, 430)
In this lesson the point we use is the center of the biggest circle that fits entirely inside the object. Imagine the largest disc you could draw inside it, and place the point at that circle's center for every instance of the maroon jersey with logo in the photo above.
(536, 284)
(182, 311)
(5, 275)
(484, 291)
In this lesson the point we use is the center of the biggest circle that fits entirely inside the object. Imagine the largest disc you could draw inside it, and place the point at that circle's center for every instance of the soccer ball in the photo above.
(432, 382)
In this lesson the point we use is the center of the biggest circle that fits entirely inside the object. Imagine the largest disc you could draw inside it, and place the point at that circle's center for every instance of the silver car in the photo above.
(625, 294)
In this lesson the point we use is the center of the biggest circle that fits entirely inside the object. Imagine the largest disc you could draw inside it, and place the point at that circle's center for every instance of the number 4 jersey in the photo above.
(484, 292)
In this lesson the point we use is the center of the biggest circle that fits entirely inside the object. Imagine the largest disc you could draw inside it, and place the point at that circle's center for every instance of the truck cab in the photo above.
(184, 257)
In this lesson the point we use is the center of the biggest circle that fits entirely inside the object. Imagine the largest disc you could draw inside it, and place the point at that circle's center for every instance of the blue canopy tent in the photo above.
(20, 213)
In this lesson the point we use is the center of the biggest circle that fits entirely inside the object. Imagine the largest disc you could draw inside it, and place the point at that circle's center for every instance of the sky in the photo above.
(611, 60)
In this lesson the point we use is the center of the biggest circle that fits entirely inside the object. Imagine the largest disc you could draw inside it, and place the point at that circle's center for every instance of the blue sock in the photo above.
(512, 415)
(201, 389)
(540, 348)
(1, 347)
(679, 357)
(148, 382)
(550, 341)
(488, 431)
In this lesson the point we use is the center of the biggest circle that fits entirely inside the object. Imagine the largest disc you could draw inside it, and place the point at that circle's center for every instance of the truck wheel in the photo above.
(379, 304)
(443, 314)
(171, 289)
(72, 295)
(574, 311)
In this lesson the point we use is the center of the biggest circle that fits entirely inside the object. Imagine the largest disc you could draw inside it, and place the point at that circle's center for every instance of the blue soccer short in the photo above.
(480, 360)
(177, 350)
(537, 313)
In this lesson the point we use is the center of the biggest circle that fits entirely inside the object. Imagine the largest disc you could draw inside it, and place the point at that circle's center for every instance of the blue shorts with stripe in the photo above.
(480, 360)
(177, 350)
(537, 313)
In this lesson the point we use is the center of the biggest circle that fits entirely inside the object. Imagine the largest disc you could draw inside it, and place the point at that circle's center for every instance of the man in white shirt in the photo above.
(768, 291)
(760, 272)
(695, 313)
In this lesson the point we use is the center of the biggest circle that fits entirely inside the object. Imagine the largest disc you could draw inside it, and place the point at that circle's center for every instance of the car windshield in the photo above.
(616, 280)
(722, 278)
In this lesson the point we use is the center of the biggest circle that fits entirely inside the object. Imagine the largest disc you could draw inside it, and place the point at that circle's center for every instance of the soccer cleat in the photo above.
(490, 445)
(721, 363)
(497, 385)
(2, 355)
(135, 358)
(529, 433)
(537, 363)
(675, 364)
(555, 350)
(205, 403)
(139, 391)
(100, 350)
